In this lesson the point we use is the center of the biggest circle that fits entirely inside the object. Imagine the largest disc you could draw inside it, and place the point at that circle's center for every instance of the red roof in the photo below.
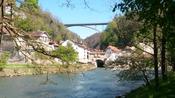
(113, 48)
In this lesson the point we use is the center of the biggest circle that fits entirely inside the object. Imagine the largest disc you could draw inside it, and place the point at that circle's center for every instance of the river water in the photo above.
(98, 83)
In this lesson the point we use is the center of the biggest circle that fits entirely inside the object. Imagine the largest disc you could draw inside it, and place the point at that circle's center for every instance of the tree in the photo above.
(31, 5)
(108, 38)
(171, 47)
(24, 24)
(66, 54)
(154, 14)
(167, 25)
(138, 67)
(148, 11)
(120, 32)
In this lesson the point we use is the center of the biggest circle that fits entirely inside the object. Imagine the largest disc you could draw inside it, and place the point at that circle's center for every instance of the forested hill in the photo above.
(93, 41)
(30, 17)
(120, 32)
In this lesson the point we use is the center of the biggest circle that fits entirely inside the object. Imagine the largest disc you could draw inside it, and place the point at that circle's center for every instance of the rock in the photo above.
(9, 72)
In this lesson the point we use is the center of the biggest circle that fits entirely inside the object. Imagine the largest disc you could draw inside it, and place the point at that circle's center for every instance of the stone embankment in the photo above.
(47, 69)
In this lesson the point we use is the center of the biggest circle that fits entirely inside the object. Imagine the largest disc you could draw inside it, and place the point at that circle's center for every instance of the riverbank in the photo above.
(23, 69)
(165, 90)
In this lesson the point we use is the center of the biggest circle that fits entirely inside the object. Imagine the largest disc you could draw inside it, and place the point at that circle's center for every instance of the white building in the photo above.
(112, 53)
(34, 38)
(80, 49)
(42, 39)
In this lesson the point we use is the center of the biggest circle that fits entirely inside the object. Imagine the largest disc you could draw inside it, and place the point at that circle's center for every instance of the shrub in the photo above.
(4, 56)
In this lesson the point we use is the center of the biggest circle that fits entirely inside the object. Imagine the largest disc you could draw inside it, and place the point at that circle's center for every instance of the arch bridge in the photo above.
(87, 25)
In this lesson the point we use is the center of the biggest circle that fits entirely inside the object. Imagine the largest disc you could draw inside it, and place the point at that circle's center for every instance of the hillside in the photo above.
(93, 41)
(30, 17)
(120, 33)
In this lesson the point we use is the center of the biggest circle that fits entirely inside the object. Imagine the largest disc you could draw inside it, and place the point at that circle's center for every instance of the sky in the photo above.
(100, 11)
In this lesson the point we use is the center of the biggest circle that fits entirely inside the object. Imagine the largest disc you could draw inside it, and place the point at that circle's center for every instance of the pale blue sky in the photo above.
(79, 13)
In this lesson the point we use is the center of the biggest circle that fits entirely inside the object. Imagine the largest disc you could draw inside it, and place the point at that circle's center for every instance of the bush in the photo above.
(66, 54)
(4, 56)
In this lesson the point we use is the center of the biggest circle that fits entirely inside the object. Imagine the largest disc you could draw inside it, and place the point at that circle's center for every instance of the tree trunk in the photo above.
(1, 18)
(173, 63)
(173, 66)
(145, 77)
(155, 57)
(163, 51)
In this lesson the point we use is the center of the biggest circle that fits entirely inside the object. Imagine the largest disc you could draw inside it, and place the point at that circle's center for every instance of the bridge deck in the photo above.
(84, 24)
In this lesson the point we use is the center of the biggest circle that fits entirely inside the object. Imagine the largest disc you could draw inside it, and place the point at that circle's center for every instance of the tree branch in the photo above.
(143, 50)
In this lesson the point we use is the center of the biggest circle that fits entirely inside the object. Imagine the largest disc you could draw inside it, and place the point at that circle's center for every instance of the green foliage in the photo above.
(154, 14)
(166, 90)
(31, 5)
(171, 48)
(120, 32)
(32, 18)
(3, 58)
(19, 66)
(137, 66)
(24, 24)
(66, 54)
(108, 38)
(58, 38)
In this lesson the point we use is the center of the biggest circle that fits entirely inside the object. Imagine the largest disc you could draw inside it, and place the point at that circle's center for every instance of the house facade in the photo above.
(42, 38)
(112, 53)
(26, 43)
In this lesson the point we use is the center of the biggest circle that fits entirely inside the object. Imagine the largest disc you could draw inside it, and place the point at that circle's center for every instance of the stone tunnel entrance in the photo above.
(100, 63)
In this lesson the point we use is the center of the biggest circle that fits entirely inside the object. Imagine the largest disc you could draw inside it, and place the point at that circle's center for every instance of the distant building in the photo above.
(112, 53)
(26, 43)
(80, 49)
(42, 38)
(85, 55)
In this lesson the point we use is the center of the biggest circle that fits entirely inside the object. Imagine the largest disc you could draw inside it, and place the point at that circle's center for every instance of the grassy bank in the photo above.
(29, 69)
(166, 90)
(17, 65)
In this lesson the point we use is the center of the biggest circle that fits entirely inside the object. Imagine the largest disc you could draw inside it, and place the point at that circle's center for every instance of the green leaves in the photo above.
(66, 54)
(120, 32)
(4, 56)
(24, 24)
(30, 17)
(31, 5)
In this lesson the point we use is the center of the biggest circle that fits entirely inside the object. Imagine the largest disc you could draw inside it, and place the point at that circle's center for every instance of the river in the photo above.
(98, 83)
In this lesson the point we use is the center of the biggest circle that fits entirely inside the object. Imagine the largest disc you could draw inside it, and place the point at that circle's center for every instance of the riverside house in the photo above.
(112, 53)
(95, 54)
(79, 48)
(42, 38)
(27, 42)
